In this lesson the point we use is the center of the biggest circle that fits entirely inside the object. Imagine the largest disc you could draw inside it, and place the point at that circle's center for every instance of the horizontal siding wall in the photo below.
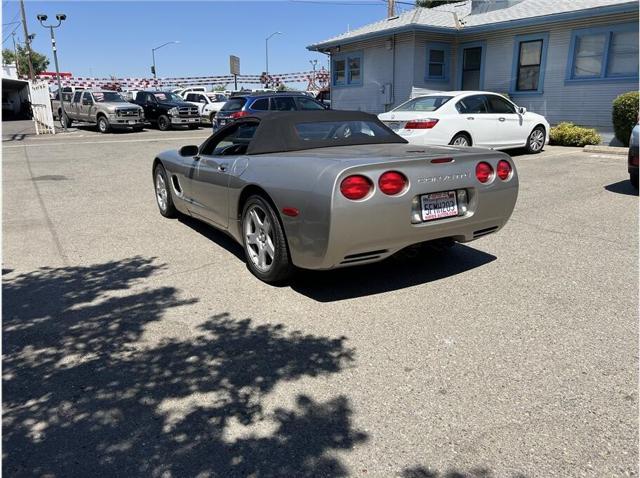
(586, 104)
(377, 70)
(420, 60)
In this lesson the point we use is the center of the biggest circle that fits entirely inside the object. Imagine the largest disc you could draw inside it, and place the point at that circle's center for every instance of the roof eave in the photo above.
(627, 7)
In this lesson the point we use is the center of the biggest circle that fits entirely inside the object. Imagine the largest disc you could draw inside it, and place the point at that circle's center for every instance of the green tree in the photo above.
(432, 3)
(40, 62)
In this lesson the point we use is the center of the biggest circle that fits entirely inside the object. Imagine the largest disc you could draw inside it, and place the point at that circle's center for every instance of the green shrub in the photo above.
(568, 134)
(625, 115)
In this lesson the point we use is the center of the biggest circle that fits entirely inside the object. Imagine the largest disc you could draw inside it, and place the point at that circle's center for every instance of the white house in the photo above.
(565, 59)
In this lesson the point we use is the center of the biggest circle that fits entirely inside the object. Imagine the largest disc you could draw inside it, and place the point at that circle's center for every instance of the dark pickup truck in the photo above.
(166, 109)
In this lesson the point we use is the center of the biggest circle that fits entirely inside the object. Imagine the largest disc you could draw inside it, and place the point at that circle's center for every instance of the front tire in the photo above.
(65, 121)
(103, 125)
(264, 241)
(164, 124)
(461, 139)
(536, 139)
(633, 177)
(163, 193)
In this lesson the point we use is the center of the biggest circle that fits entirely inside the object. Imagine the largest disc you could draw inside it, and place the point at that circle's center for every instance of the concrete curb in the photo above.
(606, 149)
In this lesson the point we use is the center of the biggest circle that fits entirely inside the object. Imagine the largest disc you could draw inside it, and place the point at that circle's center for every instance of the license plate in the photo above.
(394, 125)
(132, 122)
(439, 205)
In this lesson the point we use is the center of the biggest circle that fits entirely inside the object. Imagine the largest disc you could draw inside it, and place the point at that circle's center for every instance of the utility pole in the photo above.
(60, 17)
(391, 8)
(15, 52)
(27, 39)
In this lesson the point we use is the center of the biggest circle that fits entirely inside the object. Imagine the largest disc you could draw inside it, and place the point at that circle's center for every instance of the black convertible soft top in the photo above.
(277, 131)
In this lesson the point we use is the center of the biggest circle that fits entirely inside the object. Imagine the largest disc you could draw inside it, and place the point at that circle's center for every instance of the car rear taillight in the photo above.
(484, 172)
(421, 124)
(239, 114)
(503, 169)
(392, 183)
(355, 187)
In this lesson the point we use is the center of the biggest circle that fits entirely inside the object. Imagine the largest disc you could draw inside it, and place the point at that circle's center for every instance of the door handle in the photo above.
(501, 119)
(222, 168)
(470, 117)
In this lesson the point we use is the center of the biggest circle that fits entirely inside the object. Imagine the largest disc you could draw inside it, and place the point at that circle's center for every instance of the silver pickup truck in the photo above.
(106, 109)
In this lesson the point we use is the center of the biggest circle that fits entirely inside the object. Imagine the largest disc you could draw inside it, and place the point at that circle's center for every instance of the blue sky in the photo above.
(115, 38)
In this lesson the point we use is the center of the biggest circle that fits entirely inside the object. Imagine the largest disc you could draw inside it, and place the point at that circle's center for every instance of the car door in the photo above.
(85, 106)
(474, 118)
(150, 106)
(214, 169)
(509, 128)
(74, 111)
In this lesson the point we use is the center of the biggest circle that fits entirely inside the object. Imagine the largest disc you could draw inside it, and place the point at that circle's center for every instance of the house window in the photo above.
(529, 58)
(604, 53)
(529, 65)
(437, 62)
(347, 70)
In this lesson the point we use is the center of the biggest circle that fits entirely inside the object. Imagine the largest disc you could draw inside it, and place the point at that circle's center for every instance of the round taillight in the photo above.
(503, 169)
(484, 172)
(355, 187)
(392, 183)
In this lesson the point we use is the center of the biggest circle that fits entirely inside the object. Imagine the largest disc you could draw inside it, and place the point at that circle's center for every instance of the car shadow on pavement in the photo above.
(622, 187)
(407, 268)
(214, 235)
(85, 394)
(422, 472)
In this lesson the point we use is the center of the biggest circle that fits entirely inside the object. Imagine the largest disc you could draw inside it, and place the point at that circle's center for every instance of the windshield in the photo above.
(216, 97)
(166, 96)
(108, 97)
(340, 130)
(424, 103)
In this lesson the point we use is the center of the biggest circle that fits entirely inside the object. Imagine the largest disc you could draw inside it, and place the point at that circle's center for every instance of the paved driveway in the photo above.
(140, 346)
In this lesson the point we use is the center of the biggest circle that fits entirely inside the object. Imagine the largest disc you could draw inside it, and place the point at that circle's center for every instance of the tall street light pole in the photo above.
(153, 56)
(60, 17)
(266, 51)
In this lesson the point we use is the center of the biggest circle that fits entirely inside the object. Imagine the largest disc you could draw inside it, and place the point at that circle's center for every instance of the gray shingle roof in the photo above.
(443, 18)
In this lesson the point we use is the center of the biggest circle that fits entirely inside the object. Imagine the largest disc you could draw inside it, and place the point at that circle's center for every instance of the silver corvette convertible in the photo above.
(328, 189)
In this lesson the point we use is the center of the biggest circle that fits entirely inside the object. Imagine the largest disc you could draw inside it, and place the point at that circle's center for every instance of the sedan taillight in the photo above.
(355, 187)
(484, 172)
(239, 114)
(503, 169)
(421, 124)
(392, 183)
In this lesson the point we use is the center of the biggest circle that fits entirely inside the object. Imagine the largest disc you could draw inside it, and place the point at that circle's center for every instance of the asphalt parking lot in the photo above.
(140, 346)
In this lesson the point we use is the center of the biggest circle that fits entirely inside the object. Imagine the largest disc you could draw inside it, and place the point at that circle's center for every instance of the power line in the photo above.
(9, 35)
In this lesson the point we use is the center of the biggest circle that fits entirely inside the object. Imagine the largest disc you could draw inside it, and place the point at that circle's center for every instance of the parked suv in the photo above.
(263, 103)
(166, 109)
(104, 108)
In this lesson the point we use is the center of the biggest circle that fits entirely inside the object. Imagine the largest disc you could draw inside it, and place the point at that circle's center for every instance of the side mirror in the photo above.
(191, 150)
(522, 110)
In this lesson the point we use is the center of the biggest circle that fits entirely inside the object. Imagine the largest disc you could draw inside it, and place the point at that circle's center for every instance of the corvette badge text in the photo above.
(444, 178)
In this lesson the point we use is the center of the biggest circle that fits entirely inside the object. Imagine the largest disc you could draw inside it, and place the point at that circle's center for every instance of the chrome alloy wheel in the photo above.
(258, 236)
(161, 192)
(536, 140)
(461, 141)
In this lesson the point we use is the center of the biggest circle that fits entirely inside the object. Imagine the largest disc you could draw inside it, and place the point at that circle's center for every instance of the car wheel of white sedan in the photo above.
(535, 141)
(163, 193)
(460, 140)
(265, 246)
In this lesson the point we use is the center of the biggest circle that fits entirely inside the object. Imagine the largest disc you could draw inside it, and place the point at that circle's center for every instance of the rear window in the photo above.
(234, 104)
(330, 131)
(425, 103)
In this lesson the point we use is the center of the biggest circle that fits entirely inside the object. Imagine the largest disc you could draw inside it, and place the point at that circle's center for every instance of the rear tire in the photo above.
(164, 123)
(536, 139)
(103, 125)
(461, 139)
(264, 241)
(163, 192)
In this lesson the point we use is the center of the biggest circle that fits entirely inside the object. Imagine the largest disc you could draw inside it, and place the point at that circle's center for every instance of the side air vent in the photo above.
(176, 184)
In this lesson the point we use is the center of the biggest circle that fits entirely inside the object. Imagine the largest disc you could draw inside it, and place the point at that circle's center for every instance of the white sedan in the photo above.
(468, 118)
